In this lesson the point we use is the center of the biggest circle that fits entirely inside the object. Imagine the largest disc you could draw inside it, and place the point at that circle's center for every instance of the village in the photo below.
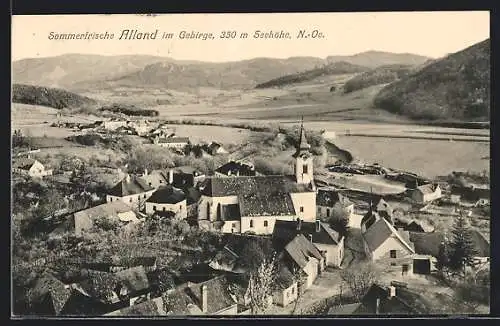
(359, 239)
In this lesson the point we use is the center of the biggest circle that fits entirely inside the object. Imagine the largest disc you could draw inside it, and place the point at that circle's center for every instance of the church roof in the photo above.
(303, 146)
(249, 185)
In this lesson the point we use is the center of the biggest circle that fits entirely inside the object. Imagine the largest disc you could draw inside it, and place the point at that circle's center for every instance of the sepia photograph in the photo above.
(250, 164)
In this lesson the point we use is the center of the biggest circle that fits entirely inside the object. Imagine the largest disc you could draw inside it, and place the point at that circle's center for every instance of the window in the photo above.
(327, 212)
(180, 207)
(304, 169)
(154, 208)
(265, 223)
(110, 198)
(163, 208)
(130, 200)
(144, 195)
(139, 197)
(393, 253)
(233, 225)
(393, 264)
(293, 290)
(251, 223)
(302, 209)
(161, 181)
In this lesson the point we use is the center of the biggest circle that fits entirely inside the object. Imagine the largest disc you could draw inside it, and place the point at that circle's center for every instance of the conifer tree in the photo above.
(461, 246)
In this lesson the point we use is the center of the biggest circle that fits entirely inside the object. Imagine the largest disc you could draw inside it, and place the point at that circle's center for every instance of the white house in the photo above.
(30, 167)
(167, 199)
(327, 240)
(306, 258)
(426, 193)
(132, 190)
(254, 203)
(172, 142)
(286, 290)
(386, 245)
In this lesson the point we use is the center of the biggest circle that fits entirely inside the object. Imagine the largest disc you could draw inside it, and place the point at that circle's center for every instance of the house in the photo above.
(117, 264)
(184, 177)
(235, 169)
(167, 199)
(30, 167)
(254, 203)
(328, 199)
(85, 219)
(327, 240)
(131, 190)
(50, 296)
(286, 286)
(303, 257)
(213, 297)
(115, 124)
(216, 149)
(426, 193)
(172, 142)
(156, 178)
(430, 243)
(386, 245)
(394, 300)
(116, 290)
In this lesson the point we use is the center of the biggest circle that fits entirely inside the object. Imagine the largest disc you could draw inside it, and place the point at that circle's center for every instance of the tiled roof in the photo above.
(346, 309)
(149, 308)
(404, 302)
(23, 163)
(167, 195)
(179, 303)
(51, 287)
(100, 285)
(271, 185)
(134, 186)
(303, 146)
(109, 210)
(379, 232)
(266, 204)
(133, 261)
(285, 278)
(328, 198)
(218, 295)
(285, 231)
(135, 278)
(429, 243)
(192, 195)
(300, 249)
(236, 168)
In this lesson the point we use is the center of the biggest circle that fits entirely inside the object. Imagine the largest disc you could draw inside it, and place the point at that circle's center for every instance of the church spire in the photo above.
(302, 145)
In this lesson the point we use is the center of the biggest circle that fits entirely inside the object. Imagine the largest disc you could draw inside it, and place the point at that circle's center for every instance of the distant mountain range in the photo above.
(83, 72)
(454, 87)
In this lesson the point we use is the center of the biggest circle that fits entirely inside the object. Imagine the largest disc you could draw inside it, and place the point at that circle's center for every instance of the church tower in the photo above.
(303, 159)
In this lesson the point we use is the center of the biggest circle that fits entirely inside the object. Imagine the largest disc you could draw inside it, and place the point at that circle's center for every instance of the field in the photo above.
(369, 135)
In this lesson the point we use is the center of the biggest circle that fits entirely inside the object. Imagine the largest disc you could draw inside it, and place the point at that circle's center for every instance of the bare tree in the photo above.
(359, 280)
(261, 284)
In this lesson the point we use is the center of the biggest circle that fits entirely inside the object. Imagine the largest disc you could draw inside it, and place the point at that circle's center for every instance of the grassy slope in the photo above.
(337, 68)
(51, 97)
(456, 87)
(377, 76)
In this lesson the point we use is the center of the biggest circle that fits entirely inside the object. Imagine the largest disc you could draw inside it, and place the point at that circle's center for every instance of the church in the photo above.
(252, 204)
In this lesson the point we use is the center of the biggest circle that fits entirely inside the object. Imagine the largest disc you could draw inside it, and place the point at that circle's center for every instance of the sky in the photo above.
(432, 34)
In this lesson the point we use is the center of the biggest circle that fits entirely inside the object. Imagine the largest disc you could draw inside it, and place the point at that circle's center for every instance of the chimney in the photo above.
(171, 176)
(127, 178)
(237, 173)
(318, 226)
(377, 306)
(204, 298)
(391, 291)
(145, 172)
(311, 238)
(299, 224)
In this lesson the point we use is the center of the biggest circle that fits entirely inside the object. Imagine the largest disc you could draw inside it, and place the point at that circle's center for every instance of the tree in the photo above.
(359, 280)
(462, 249)
(254, 253)
(261, 284)
(443, 257)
